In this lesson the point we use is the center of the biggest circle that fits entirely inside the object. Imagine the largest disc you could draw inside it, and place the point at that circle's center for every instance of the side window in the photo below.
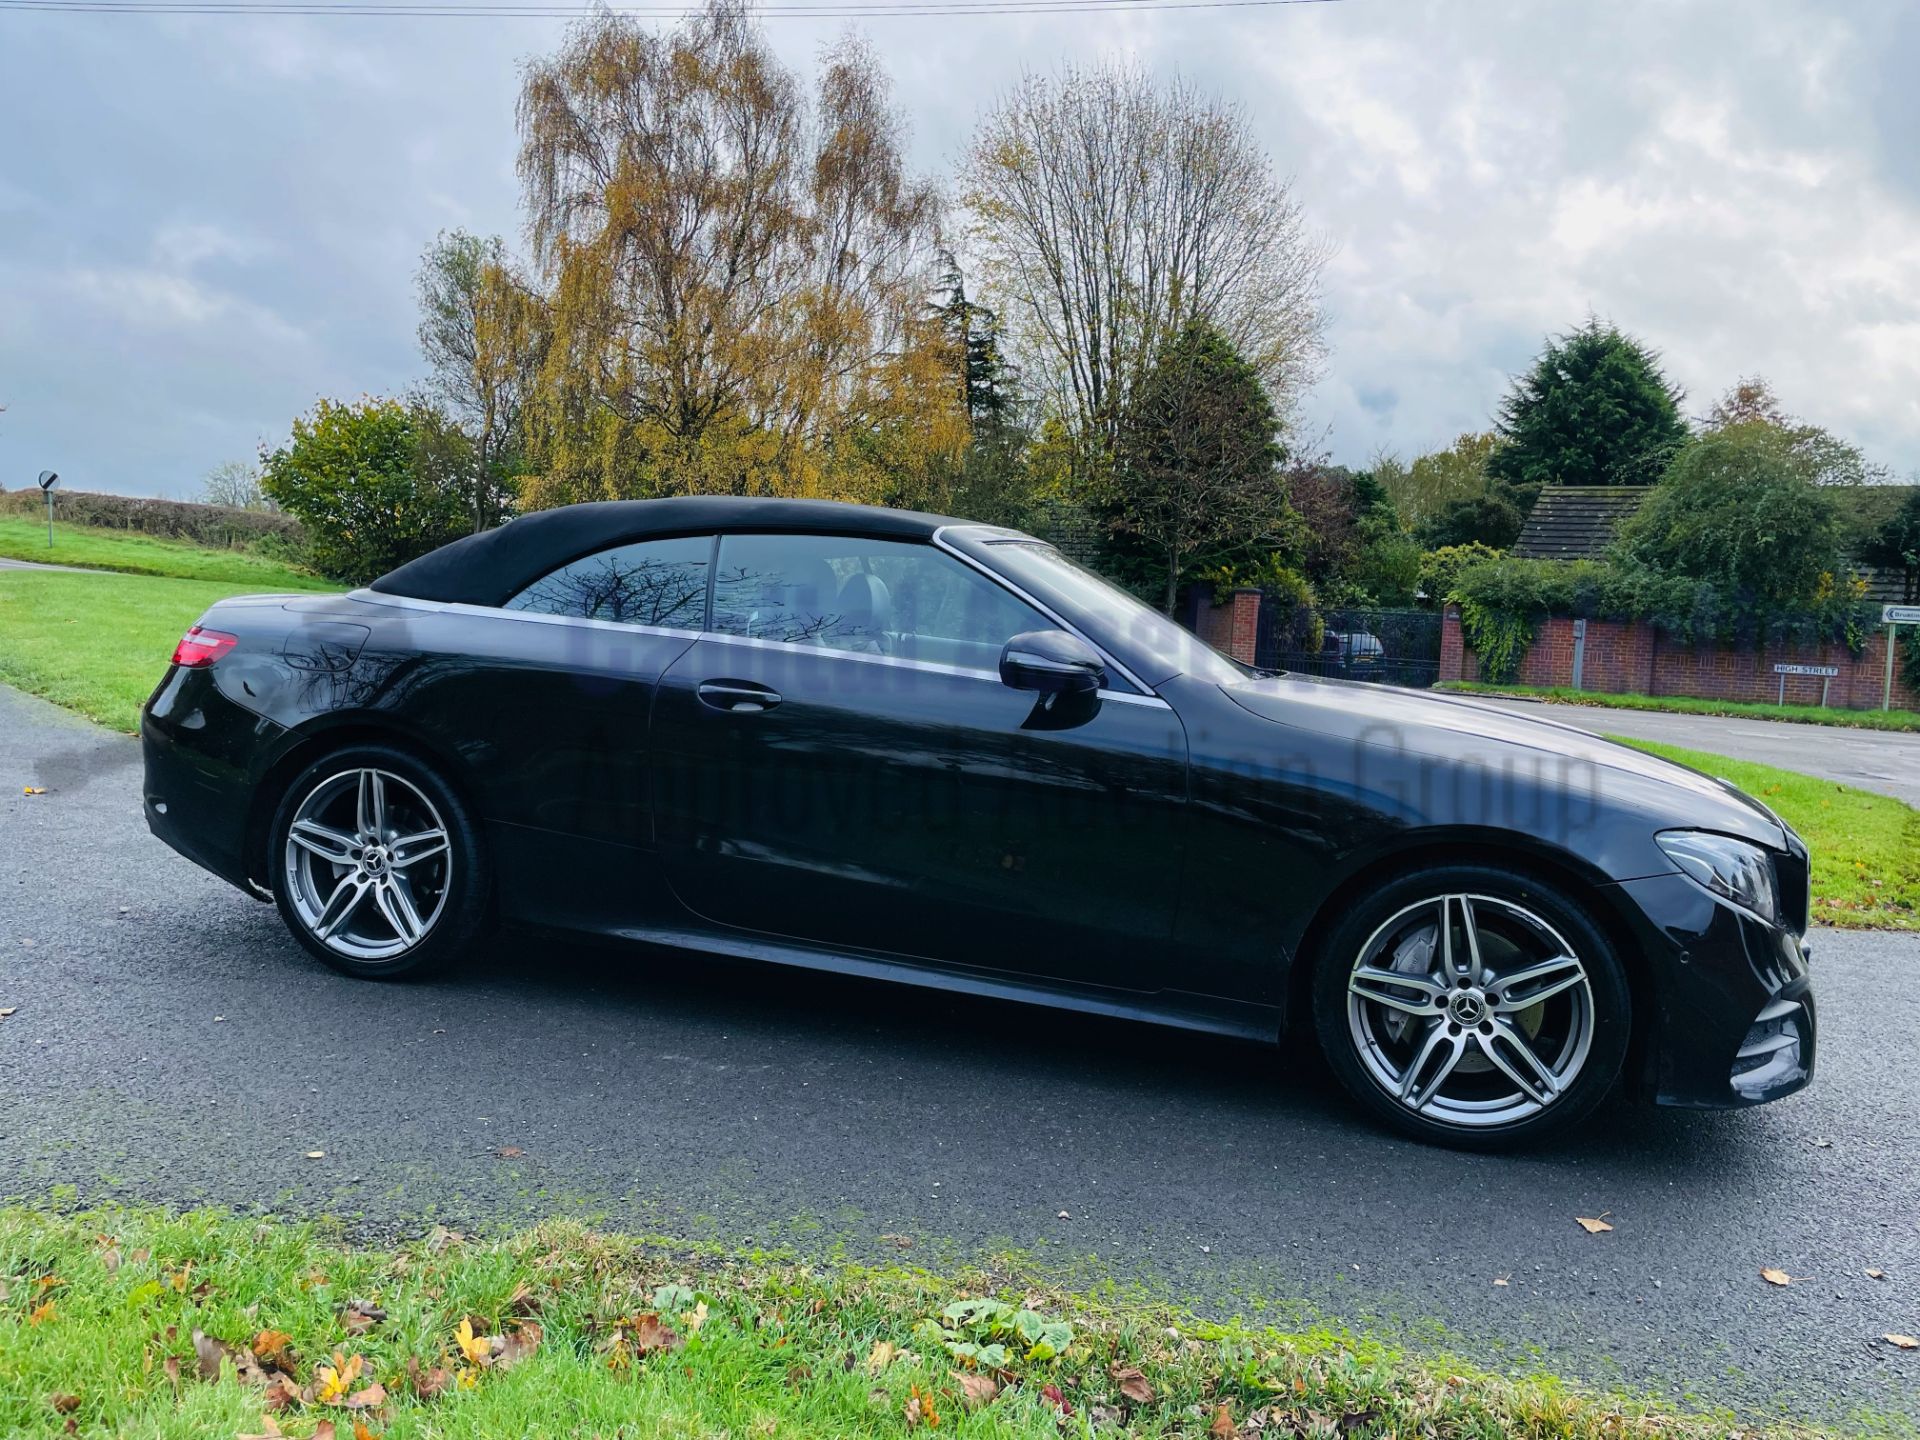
(653, 582)
(882, 597)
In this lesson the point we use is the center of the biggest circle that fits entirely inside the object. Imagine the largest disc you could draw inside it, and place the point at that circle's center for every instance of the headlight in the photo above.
(1732, 869)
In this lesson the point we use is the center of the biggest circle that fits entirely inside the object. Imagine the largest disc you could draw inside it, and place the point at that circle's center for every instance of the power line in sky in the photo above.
(531, 9)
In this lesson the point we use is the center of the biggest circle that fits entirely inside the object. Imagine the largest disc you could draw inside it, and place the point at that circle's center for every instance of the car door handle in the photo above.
(741, 697)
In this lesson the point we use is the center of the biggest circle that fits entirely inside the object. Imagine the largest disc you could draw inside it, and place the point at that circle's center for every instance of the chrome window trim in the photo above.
(824, 652)
(939, 539)
(532, 617)
(933, 667)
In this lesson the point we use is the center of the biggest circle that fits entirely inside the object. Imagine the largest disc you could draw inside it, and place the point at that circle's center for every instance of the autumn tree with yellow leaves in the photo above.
(733, 273)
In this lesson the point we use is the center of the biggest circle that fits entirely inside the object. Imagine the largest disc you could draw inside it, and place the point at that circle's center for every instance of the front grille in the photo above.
(1794, 877)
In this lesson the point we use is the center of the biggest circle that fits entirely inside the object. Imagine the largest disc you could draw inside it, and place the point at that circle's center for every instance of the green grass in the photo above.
(1687, 705)
(101, 1310)
(99, 643)
(94, 548)
(1866, 848)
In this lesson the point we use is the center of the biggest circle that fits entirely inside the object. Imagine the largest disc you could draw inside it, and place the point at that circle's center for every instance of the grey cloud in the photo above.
(206, 223)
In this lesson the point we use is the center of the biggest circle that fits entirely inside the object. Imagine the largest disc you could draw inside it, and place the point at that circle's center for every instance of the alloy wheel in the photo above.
(1470, 1010)
(368, 863)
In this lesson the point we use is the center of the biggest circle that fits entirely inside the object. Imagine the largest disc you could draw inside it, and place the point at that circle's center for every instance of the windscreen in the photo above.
(1141, 630)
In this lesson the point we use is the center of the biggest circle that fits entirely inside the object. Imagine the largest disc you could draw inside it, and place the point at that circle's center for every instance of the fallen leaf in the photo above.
(1595, 1226)
(209, 1352)
(333, 1383)
(366, 1399)
(880, 1356)
(64, 1404)
(426, 1384)
(170, 1367)
(650, 1336)
(919, 1407)
(899, 1242)
(10, 1010)
(477, 1349)
(1501, 1282)
(33, 789)
(361, 1432)
(110, 1257)
(440, 1239)
(1063, 1215)
(41, 1314)
(1902, 1342)
(695, 1318)
(1876, 1274)
(323, 1431)
(271, 1432)
(316, 1154)
(509, 1152)
(1223, 1427)
(509, 1350)
(1057, 1398)
(360, 1316)
(271, 1345)
(977, 1390)
(1776, 1277)
(281, 1391)
(1132, 1384)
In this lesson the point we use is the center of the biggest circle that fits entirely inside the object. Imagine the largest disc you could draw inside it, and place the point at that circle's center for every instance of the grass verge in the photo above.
(96, 643)
(139, 1323)
(1866, 848)
(1686, 705)
(94, 548)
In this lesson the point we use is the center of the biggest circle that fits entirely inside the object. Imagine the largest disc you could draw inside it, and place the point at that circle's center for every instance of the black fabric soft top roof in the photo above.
(492, 567)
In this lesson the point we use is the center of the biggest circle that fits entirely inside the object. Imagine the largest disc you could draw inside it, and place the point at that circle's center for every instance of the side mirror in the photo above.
(1052, 662)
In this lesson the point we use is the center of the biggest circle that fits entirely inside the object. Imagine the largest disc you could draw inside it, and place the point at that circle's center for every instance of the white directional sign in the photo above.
(1900, 615)
(1828, 670)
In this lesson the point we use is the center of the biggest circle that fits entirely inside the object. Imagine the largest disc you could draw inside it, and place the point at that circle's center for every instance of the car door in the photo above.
(838, 762)
(548, 698)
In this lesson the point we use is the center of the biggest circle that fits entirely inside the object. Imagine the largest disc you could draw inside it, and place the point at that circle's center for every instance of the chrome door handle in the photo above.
(741, 697)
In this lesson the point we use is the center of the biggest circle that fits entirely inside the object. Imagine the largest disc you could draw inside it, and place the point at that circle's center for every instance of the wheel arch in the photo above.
(1562, 869)
(338, 732)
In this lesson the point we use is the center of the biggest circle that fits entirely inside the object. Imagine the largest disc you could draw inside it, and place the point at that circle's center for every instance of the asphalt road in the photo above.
(169, 1043)
(1886, 761)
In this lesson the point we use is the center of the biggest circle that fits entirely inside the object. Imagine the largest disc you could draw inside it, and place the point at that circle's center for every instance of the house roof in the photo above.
(1576, 522)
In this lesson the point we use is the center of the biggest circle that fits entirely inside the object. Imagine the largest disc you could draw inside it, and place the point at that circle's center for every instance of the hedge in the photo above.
(1501, 601)
(215, 526)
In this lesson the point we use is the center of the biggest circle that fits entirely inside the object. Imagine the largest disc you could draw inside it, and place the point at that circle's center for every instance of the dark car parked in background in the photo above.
(910, 747)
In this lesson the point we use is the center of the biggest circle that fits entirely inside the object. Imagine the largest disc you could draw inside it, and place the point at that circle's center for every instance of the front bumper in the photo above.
(1734, 1021)
(200, 749)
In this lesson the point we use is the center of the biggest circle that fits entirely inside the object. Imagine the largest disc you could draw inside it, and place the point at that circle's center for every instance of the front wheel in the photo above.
(376, 864)
(1473, 1006)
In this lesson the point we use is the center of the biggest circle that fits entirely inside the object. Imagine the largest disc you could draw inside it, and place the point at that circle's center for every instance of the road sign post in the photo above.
(1894, 616)
(1825, 672)
(47, 481)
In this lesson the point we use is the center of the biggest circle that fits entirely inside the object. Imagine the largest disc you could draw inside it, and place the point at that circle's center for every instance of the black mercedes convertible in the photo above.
(914, 748)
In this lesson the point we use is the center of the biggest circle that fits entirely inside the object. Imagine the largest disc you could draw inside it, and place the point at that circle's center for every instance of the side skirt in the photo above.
(1206, 1013)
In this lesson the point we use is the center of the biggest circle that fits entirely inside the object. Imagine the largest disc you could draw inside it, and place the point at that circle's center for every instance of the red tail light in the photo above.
(201, 647)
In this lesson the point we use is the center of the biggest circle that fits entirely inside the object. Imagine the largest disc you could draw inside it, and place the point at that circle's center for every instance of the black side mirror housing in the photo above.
(1053, 663)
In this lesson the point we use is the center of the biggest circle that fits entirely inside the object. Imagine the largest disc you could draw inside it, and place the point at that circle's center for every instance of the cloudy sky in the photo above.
(206, 222)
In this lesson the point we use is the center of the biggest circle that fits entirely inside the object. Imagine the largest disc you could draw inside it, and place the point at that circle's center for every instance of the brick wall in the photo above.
(1232, 624)
(1631, 658)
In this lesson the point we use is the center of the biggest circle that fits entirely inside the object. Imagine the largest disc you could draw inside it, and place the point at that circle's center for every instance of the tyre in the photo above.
(376, 863)
(1472, 1006)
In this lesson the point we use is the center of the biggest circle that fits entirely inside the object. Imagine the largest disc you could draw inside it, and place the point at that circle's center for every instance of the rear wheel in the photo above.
(376, 863)
(1474, 1006)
